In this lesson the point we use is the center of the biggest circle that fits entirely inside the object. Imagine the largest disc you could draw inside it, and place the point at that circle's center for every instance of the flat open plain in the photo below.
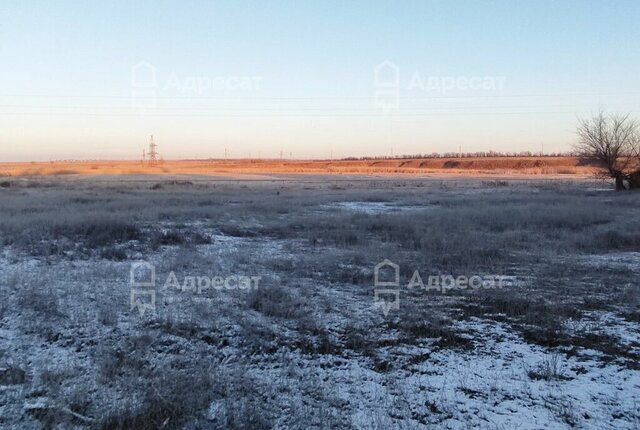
(265, 311)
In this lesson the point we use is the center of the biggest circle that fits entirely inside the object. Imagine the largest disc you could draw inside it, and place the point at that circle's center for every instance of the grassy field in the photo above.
(531, 166)
(306, 344)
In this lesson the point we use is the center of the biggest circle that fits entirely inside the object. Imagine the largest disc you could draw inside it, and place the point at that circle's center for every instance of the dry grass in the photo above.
(532, 166)
(170, 369)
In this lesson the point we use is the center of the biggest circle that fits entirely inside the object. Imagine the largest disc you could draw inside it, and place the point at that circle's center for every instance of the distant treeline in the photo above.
(482, 154)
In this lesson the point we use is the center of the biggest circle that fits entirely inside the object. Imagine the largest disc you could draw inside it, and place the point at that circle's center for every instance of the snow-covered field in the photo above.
(265, 312)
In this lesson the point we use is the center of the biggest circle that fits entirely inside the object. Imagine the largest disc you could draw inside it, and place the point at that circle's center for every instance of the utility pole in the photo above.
(153, 152)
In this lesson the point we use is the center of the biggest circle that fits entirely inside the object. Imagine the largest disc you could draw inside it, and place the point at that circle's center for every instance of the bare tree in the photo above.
(614, 142)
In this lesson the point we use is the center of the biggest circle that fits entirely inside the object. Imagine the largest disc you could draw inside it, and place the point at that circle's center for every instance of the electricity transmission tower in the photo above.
(153, 152)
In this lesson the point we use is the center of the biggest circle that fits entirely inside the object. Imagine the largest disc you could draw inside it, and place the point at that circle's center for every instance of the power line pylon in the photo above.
(152, 155)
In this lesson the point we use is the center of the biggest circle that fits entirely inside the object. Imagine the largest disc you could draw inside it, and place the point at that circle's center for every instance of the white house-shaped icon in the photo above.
(379, 269)
(387, 74)
(143, 75)
(142, 274)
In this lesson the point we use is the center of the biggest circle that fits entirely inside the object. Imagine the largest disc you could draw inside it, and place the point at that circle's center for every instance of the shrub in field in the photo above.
(105, 233)
(552, 367)
(615, 240)
(11, 375)
(40, 300)
(107, 314)
(113, 253)
(276, 301)
(237, 231)
(177, 237)
(170, 398)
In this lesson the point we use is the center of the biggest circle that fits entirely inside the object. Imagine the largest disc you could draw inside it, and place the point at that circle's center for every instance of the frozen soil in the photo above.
(309, 348)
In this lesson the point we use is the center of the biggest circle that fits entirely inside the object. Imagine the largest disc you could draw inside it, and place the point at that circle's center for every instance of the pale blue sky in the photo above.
(66, 84)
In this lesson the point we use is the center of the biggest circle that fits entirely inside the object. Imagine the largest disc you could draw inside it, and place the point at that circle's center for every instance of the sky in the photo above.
(309, 79)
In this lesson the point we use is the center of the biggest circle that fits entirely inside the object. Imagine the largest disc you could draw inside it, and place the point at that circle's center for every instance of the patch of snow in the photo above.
(614, 260)
(370, 208)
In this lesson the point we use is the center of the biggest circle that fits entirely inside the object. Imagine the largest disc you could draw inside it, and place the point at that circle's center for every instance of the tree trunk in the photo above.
(619, 182)
(634, 180)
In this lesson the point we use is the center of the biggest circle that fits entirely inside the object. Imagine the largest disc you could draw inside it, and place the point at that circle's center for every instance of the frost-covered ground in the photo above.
(306, 345)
